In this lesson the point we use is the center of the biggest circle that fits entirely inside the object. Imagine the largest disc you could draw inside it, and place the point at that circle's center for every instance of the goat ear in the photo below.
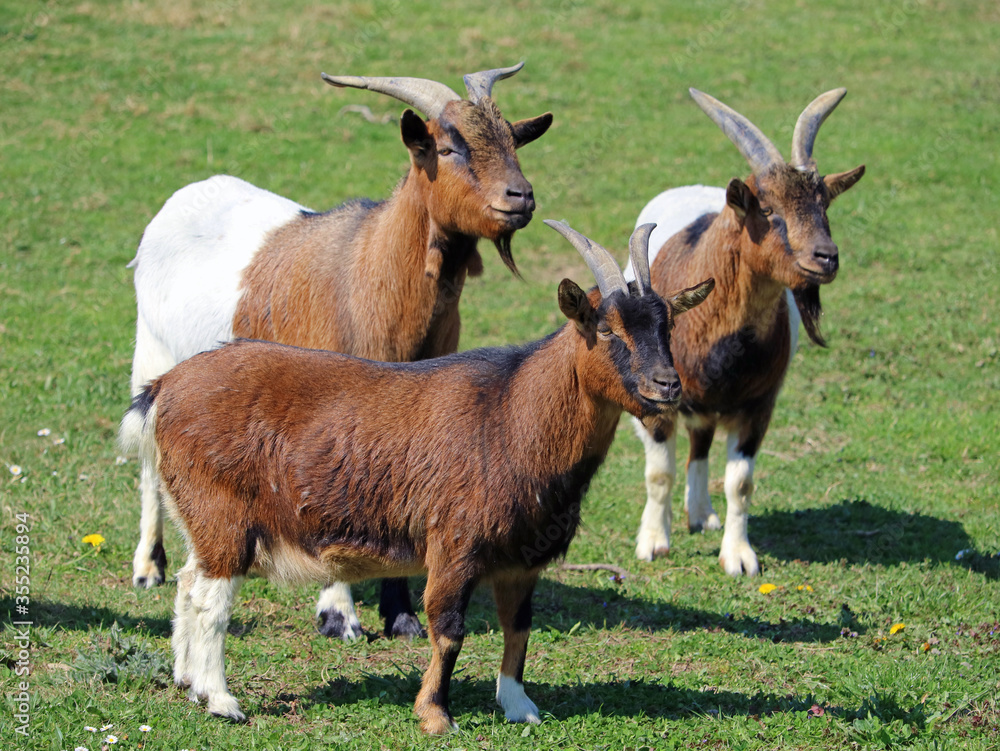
(526, 131)
(686, 299)
(843, 181)
(740, 198)
(416, 136)
(576, 307)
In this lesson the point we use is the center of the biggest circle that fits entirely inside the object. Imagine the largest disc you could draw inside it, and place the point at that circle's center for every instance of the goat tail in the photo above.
(137, 432)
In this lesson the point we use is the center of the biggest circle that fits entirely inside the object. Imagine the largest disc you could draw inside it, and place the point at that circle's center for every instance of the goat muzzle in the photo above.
(661, 385)
(822, 265)
(517, 204)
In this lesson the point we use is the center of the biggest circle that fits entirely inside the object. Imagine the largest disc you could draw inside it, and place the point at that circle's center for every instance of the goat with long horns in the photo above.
(380, 280)
(767, 243)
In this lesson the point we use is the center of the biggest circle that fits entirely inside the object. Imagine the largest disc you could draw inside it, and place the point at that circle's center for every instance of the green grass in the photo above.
(880, 466)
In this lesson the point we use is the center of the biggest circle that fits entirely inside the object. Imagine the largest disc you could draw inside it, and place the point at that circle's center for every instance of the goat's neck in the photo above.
(743, 299)
(428, 266)
(550, 393)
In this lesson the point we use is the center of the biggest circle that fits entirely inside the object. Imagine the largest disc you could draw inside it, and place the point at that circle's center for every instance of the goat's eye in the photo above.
(445, 152)
(605, 332)
(766, 211)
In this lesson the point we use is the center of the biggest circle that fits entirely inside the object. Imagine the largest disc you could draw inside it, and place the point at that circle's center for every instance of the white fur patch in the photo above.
(337, 598)
(697, 501)
(673, 210)
(735, 553)
(516, 705)
(653, 538)
(188, 276)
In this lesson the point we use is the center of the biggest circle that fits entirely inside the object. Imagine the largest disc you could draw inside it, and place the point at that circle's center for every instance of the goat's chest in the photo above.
(734, 371)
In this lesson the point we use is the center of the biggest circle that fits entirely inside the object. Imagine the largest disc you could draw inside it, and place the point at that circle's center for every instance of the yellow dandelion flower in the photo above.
(766, 589)
(804, 588)
(896, 628)
(94, 540)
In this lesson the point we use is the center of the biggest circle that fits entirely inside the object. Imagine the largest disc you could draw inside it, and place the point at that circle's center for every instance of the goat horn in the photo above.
(638, 251)
(808, 126)
(480, 84)
(430, 97)
(747, 137)
(600, 262)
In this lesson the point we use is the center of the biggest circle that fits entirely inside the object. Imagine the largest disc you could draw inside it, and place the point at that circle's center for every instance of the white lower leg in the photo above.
(336, 598)
(212, 601)
(183, 626)
(146, 570)
(697, 502)
(516, 705)
(657, 517)
(736, 555)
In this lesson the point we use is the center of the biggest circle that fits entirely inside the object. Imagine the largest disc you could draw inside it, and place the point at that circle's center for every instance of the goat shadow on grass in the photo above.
(557, 607)
(75, 617)
(861, 532)
(473, 703)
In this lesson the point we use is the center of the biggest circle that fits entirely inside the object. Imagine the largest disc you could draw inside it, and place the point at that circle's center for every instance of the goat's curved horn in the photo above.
(600, 262)
(480, 84)
(430, 97)
(747, 137)
(807, 127)
(638, 251)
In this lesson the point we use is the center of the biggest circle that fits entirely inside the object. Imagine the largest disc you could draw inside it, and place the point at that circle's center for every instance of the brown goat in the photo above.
(309, 465)
(757, 239)
(379, 280)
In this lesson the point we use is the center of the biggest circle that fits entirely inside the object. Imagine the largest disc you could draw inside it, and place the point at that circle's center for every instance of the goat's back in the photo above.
(673, 210)
(190, 262)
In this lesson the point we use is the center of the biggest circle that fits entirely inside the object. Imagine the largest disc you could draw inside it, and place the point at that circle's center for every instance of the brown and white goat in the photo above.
(310, 465)
(758, 239)
(379, 280)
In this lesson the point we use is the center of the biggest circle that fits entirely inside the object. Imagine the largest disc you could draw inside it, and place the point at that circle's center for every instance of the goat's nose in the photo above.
(521, 194)
(828, 256)
(666, 382)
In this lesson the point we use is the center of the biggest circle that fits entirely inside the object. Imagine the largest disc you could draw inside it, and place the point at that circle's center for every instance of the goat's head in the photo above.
(782, 206)
(625, 328)
(464, 154)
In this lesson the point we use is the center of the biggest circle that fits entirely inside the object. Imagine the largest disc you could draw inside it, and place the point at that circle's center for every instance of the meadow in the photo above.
(876, 515)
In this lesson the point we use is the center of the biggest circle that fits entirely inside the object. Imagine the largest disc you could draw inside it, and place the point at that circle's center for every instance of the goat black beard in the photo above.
(807, 301)
(503, 248)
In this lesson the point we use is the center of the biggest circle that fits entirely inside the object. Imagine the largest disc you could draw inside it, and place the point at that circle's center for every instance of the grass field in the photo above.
(876, 502)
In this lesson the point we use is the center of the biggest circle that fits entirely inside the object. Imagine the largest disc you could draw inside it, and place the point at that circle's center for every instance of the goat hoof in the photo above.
(652, 546)
(334, 625)
(437, 723)
(147, 582)
(150, 572)
(226, 707)
(406, 626)
(738, 560)
(710, 523)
